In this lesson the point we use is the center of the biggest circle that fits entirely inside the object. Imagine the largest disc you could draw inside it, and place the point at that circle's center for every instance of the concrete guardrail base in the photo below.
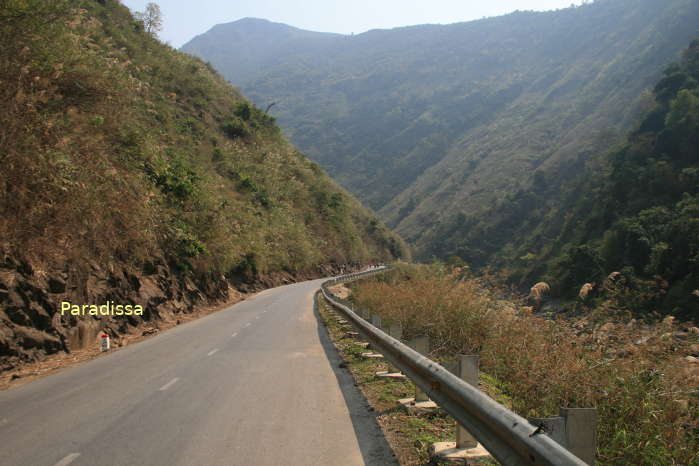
(390, 375)
(417, 407)
(449, 452)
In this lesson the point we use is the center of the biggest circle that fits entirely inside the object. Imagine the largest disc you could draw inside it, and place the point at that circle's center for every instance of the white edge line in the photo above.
(248, 324)
(68, 459)
(169, 384)
(212, 352)
(234, 335)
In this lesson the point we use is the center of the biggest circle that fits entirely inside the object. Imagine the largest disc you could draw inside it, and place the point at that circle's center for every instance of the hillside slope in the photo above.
(438, 126)
(134, 173)
(632, 214)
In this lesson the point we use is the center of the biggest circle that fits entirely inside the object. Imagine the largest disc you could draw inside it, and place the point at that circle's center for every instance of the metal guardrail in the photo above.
(510, 438)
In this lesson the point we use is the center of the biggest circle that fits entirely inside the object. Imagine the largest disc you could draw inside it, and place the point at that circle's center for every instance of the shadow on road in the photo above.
(372, 443)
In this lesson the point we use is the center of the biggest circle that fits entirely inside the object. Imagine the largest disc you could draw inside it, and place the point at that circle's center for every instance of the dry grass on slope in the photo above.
(641, 377)
(116, 147)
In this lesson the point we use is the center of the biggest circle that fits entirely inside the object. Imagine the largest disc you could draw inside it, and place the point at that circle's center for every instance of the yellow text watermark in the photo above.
(110, 308)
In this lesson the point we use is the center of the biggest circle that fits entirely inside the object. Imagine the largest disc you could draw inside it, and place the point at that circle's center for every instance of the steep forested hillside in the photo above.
(634, 211)
(134, 173)
(443, 128)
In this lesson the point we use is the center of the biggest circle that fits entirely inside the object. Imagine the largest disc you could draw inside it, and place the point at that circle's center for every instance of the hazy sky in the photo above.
(185, 19)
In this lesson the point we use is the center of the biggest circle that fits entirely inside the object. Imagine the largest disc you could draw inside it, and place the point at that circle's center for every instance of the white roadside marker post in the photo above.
(104, 342)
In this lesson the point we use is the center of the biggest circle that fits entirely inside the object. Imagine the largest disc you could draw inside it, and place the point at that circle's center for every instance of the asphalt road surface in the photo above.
(255, 384)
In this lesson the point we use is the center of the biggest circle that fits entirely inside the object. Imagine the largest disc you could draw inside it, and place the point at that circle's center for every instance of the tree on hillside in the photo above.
(152, 18)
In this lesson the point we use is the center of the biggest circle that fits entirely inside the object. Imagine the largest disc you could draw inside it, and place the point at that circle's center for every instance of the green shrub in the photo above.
(235, 128)
(175, 177)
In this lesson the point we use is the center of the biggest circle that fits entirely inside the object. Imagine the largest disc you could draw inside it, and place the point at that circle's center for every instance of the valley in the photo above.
(199, 245)
(480, 142)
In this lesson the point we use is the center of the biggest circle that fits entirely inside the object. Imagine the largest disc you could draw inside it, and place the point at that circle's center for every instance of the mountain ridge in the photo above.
(433, 122)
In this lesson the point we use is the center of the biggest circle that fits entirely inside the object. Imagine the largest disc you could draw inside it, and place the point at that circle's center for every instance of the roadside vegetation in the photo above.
(642, 376)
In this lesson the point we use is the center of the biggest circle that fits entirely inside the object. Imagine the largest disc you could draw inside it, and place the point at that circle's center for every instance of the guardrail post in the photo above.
(575, 429)
(395, 330)
(420, 344)
(364, 314)
(581, 432)
(376, 321)
(421, 402)
(466, 449)
(468, 372)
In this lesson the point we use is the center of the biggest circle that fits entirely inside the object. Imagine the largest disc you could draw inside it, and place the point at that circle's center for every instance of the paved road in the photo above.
(254, 384)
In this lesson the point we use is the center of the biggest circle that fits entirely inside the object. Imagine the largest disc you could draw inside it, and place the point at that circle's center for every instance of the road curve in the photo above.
(254, 384)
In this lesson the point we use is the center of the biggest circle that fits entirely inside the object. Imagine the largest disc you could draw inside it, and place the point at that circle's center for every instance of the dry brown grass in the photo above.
(113, 149)
(635, 374)
(62, 190)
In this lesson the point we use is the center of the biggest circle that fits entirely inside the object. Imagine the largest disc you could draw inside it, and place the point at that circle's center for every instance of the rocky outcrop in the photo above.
(32, 324)
(31, 321)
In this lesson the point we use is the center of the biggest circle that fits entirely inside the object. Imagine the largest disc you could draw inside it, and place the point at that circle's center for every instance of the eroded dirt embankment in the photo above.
(32, 325)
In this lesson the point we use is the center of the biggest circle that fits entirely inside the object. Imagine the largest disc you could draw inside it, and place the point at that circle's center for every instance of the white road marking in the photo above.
(257, 317)
(212, 352)
(234, 335)
(169, 384)
(248, 324)
(68, 459)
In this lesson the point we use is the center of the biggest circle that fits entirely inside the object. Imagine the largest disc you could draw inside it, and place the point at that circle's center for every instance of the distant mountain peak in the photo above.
(250, 19)
(266, 25)
(259, 22)
(251, 23)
